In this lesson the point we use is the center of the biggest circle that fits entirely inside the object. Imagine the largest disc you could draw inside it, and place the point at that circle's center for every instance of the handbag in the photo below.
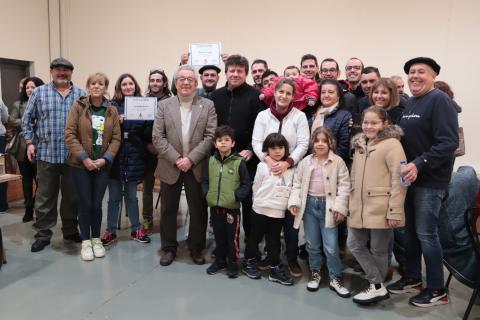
(461, 143)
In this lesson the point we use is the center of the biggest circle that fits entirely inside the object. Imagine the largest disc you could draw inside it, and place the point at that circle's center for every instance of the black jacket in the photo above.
(430, 124)
(238, 109)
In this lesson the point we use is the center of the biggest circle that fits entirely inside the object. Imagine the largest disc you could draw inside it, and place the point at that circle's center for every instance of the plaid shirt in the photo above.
(44, 121)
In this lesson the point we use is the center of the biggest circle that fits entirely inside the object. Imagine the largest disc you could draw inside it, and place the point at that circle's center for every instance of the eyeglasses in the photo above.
(183, 79)
(348, 68)
(371, 123)
(325, 70)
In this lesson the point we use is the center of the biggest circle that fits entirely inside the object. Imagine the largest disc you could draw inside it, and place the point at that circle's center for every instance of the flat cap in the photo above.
(428, 61)
(209, 67)
(61, 62)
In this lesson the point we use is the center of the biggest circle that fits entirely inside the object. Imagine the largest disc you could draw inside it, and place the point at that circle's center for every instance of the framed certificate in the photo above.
(205, 53)
(140, 108)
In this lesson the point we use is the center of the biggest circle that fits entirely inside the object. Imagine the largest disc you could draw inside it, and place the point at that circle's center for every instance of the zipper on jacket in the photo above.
(363, 178)
(230, 109)
(219, 182)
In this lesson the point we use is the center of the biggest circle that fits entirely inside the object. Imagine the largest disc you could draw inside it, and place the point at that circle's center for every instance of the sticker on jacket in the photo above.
(98, 124)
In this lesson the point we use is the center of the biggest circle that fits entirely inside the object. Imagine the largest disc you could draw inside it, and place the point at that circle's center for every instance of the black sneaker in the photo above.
(232, 270)
(249, 267)
(216, 266)
(429, 298)
(277, 274)
(405, 285)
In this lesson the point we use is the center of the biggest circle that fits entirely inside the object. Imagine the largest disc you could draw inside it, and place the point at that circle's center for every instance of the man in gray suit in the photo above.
(182, 133)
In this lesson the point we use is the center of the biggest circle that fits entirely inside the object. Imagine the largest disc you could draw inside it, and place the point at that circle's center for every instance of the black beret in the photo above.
(209, 67)
(428, 61)
(61, 62)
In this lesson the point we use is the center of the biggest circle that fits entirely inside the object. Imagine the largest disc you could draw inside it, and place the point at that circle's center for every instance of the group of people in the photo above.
(302, 150)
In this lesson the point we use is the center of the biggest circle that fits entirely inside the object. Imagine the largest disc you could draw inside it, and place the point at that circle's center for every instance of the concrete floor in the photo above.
(130, 284)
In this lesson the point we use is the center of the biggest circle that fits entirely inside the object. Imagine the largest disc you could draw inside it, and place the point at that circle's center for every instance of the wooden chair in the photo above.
(471, 218)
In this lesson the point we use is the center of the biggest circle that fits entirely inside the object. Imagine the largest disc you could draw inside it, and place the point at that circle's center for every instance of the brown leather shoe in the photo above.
(294, 268)
(167, 258)
(197, 258)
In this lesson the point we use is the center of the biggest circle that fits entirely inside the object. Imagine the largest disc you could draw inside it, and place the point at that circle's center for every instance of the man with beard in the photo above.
(259, 66)
(209, 78)
(158, 88)
(43, 126)
(353, 70)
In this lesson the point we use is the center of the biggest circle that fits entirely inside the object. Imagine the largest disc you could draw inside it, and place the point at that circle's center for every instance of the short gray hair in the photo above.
(185, 67)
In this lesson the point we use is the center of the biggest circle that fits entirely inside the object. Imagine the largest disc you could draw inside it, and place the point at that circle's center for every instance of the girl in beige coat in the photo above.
(376, 199)
(320, 196)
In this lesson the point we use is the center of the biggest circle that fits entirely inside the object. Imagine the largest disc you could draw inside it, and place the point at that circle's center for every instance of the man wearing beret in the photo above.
(43, 127)
(430, 124)
(209, 78)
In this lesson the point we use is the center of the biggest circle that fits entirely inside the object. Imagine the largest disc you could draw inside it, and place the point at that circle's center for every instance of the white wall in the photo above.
(116, 36)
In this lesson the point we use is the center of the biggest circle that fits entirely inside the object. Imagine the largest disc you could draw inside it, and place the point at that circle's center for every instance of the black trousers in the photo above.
(247, 211)
(226, 228)
(29, 174)
(270, 228)
(197, 207)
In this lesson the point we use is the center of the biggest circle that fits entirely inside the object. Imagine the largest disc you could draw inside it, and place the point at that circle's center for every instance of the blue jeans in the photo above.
(91, 187)
(115, 188)
(318, 236)
(422, 209)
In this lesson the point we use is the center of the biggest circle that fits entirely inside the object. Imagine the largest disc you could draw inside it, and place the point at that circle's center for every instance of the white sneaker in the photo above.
(87, 252)
(98, 248)
(336, 285)
(371, 295)
(314, 282)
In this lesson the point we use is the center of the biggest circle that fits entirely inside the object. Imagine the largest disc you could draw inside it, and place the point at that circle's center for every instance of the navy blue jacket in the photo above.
(129, 164)
(430, 126)
(338, 123)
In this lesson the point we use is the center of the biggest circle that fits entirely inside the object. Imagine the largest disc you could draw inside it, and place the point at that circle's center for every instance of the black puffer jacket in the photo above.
(129, 164)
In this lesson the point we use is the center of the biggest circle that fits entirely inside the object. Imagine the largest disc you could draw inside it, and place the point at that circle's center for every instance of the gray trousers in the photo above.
(148, 185)
(52, 178)
(373, 258)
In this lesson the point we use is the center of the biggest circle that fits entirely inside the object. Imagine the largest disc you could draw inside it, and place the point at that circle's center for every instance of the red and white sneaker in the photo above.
(140, 236)
(429, 298)
(109, 238)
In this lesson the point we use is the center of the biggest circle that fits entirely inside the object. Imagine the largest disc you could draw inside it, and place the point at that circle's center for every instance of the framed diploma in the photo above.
(140, 108)
(205, 53)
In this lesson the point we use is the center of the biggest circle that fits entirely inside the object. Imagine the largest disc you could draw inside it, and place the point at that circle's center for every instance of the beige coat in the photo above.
(337, 187)
(167, 136)
(376, 193)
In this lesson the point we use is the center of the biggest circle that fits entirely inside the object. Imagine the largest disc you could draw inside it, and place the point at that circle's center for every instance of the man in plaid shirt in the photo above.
(43, 127)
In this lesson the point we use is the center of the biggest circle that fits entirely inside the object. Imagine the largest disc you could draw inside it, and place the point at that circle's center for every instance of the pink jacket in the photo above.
(306, 89)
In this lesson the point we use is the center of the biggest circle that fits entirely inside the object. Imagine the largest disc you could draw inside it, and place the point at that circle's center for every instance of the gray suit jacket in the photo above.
(167, 136)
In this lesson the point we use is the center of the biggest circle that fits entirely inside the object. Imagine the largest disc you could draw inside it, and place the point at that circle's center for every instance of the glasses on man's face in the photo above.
(348, 68)
(325, 70)
(371, 123)
(188, 79)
